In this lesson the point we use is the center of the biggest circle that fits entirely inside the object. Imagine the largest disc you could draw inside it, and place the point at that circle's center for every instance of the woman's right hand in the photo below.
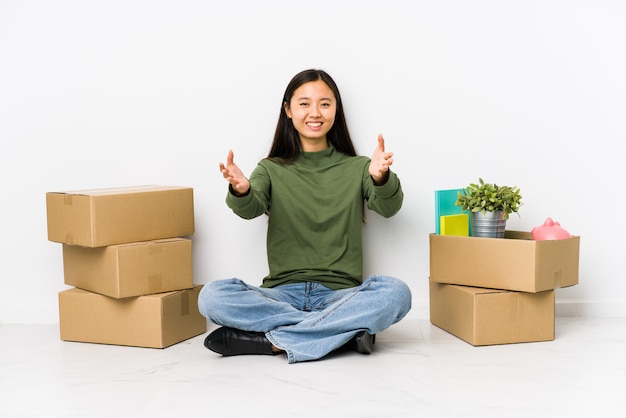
(234, 175)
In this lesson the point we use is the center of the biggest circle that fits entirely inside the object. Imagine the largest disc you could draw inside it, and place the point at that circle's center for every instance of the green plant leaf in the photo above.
(485, 197)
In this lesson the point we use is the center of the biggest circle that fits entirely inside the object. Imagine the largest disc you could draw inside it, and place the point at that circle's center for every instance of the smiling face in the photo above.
(312, 110)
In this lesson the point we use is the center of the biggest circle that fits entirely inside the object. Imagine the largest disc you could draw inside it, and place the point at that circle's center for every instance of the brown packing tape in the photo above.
(67, 199)
(557, 278)
(514, 308)
(184, 303)
(69, 239)
(154, 248)
(155, 282)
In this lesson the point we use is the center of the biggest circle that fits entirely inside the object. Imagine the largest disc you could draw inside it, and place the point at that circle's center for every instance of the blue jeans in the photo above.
(306, 320)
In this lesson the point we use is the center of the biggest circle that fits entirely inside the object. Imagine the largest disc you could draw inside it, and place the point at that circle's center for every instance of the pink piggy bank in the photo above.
(550, 230)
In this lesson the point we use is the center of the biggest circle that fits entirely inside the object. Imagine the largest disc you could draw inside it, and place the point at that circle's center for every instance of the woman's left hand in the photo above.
(380, 162)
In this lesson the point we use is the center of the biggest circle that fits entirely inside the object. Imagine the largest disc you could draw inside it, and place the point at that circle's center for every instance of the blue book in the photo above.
(444, 206)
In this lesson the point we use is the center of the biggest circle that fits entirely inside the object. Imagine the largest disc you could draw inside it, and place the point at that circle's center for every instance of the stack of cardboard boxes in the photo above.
(125, 253)
(499, 290)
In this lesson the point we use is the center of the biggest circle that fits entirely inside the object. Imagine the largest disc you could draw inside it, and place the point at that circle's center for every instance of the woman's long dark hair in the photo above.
(286, 144)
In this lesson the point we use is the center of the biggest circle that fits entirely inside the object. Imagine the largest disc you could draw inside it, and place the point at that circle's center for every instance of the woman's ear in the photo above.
(287, 111)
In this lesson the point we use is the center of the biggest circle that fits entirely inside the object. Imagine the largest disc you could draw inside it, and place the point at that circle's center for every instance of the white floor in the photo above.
(417, 370)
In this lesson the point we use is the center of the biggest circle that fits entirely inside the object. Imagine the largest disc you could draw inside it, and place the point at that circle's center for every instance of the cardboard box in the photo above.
(126, 270)
(515, 262)
(101, 217)
(155, 321)
(488, 316)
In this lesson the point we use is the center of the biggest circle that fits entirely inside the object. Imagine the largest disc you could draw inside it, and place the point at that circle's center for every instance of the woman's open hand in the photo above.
(234, 175)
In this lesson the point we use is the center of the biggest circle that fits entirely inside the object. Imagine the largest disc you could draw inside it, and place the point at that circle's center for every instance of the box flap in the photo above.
(121, 190)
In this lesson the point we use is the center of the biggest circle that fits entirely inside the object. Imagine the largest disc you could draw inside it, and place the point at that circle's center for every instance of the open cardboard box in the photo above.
(515, 262)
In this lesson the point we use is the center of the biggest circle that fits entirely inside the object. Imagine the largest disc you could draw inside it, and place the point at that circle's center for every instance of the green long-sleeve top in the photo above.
(315, 207)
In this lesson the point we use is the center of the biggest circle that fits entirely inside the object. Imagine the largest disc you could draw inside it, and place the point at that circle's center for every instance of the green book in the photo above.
(444, 206)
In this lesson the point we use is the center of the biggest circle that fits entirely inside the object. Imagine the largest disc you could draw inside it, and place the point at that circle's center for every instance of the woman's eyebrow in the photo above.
(308, 98)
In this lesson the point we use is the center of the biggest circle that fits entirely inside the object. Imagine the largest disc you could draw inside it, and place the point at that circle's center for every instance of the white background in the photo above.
(123, 93)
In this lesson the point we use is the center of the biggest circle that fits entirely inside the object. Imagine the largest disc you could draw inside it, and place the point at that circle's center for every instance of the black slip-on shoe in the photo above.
(364, 342)
(234, 342)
